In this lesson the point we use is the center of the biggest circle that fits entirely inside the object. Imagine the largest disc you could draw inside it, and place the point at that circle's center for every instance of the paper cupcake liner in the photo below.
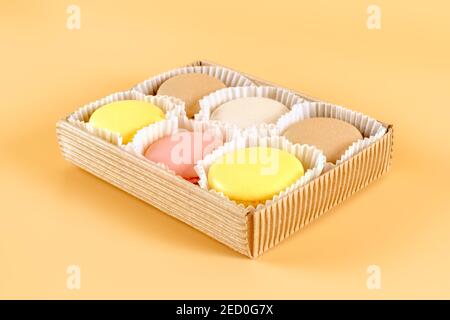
(150, 134)
(312, 159)
(371, 129)
(171, 106)
(209, 103)
(229, 77)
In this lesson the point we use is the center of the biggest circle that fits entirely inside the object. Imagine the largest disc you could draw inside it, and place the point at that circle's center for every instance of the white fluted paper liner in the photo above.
(150, 134)
(312, 159)
(209, 103)
(171, 106)
(371, 129)
(229, 77)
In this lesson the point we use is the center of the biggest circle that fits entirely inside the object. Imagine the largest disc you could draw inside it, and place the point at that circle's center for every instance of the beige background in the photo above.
(54, 214)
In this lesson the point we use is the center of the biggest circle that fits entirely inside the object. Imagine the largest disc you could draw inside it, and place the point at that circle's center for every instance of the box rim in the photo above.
(247, 210)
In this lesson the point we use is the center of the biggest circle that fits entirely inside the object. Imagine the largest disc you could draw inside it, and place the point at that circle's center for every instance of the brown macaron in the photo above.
(190, 87)
(332, 136)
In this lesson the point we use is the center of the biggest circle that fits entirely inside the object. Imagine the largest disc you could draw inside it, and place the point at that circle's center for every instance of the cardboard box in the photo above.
(250, 232)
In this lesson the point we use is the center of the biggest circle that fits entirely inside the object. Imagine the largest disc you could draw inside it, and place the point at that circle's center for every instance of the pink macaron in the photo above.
(181, 151)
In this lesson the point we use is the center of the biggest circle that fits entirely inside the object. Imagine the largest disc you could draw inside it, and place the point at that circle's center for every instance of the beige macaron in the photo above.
(190, 87)
(332, 136)
(249, 111)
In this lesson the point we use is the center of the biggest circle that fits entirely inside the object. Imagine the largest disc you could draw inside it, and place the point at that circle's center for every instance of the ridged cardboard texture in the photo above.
(249, 232)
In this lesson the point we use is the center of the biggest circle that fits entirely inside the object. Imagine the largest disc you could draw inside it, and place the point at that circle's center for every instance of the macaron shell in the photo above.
(126, 117)
(193, 180)
(253, 175)
(181, 151)
(249, 111)
(190, 88)
(332, 136)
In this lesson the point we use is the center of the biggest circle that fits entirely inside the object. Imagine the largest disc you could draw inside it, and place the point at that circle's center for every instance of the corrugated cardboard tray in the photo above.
(250, 232)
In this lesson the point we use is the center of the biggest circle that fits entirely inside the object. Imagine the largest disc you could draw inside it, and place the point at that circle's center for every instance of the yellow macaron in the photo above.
(254, 175)
(126, 117)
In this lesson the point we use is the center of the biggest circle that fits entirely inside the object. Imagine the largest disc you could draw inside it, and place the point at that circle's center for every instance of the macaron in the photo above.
(181, 151)
(249, 111)
(190, 87)
(126, 117)
(332, 136)
(255, 174)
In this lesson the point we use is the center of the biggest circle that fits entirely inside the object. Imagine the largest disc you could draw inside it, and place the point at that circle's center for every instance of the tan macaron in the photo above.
(190, 88)
(332, 136)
